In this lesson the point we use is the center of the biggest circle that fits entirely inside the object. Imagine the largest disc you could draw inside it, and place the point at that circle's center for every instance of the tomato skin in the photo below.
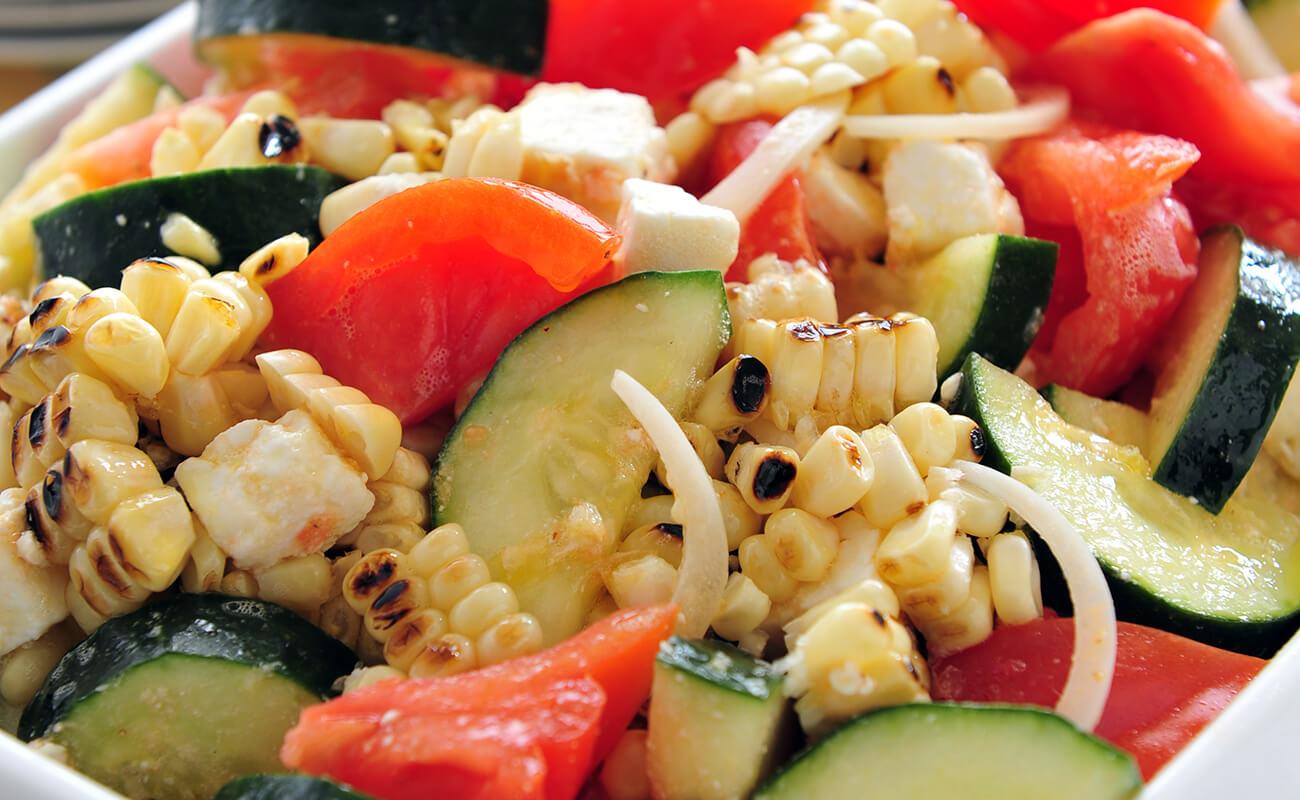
(1037, 24)
(780, 224)
(656, 48)
(1166, 688)
(418, 294)
(531, 727)
(1137, 243)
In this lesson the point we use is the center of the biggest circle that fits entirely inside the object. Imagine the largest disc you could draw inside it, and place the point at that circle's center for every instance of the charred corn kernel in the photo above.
(928, 433)
(181, 234)
(59, 285)
(643, 580)
(156, 287)
(414, 128)
(399, 163)
(441, 546)
(458, 578)
(268, 103)
(237, 146)
(760, 564)
(84, 408)
(465, 138)
(735, 394)
(764, 474)
(340, 566)
(97, 305)
(834, 475)
(202, 126)
(796, 368)
(969, 443)
(57, 353)
(51, 311)
(152, 533)
(192, 411)
(98, 476)
(895, 40)
(207, 563)
(706, 447)
(920, 87)
(277, 367)
(663, 540)
(835, 389)
(916, 357)
(739, 520)
(19, 380)
(755, 337)
(369, 676)
(781, 290)
(649, 511)
(450, 654)
(7, 420)
(896, 487)
(353, 148)
(744, 607)
(874, 373)
(23, 672)
(966, 627)
(940, 479)
(370, 435)
(301, 584)
(275, 259)
(400, 536)
(978, 513)
(239, 583)
(396, 602)
(54, 529)
(986, 91)
(97, 575)
(500, 151)
(511, 636)
(244, 388)
(203, 331)
(917, 549)
(34, 447)
(945, 594)
(339, 620)
(258, 303)
(129, 351)
(871, 591)
(371, 575)
(1013, 578)
(416, 632)
(781, 90)
(477, 611)
(805, 545)
(623, 776)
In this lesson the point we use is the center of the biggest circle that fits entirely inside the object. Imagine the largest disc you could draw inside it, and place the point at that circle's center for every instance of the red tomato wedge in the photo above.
(531, 727)
(1166, 688)
(1038, 23)
(418, 294)
(1149, 71)
(780, 224)
(1268, 214)
(124, 154)
(1138, 245)
(655, 48)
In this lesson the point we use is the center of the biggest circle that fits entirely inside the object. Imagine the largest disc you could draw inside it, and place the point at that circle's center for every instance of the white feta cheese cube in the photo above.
(267, 491)
(665, 228)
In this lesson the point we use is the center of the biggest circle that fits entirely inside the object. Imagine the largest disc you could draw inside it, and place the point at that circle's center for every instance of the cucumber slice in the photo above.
(506, 34)
(1278, 21)
(286, 787)
(915, 751)
(94, 236)
(1122, 424)
(1231, 580)
(984, 294)
(546, 446)
(1229, 354)
(718, 721)
(173, 701)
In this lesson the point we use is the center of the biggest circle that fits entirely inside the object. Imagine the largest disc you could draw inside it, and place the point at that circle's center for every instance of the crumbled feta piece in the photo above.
(665, 228)
(33, 597)
(270, 491)
(938, 193)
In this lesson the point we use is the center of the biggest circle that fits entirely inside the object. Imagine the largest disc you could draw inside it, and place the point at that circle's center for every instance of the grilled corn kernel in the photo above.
(781, 90)
(651, 511)
(97, 305)
(966, 627)
(55, 527)
(339, 620)
(237, 146)
(84, 408)
(369, 676)
(437, 549)
(706, 447)
(277, 367)
(917, 549)
(835, 389)
(1013, 578)
(480, 609)
(58, 285)
(396, 602)
(917, 357)
(978, 513)
(173, 153)
(739, 520)
(804, 545)
(986, 90)
(896, 488)
(457, 578)
(129, 352)
(56, 354)
(894, 39)
(152, 533)
(182, 235)
(7, 420)
(834, 475)
(797, 368)
(399, 163)
(370, 435)
(689, 138)
(409, 469)
(192, 411)
(98, 576)
(301, 583)
(99, 476)
(207, 563)
(23, 672)
(864, 58)
(371, 575)
(969, 443)
(509, 637)
(157, 287)
(243, 386)
(641, 580)
(928, 433)
(759, 563)
(874, 374)
(450, 654)
(663, 540)
(736, 394)
(19, 380)
(353, 148)
(764, 474)
(945, 594)
(744, 607)
(275, 259)
(203, 331)
(623, 776)
(400, 536)
(416, 632)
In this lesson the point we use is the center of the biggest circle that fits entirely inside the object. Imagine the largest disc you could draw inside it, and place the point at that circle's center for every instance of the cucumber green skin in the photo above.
(1244, 384)
(252, 632)
(1020, 283)
(286, 787)
(506, 34)
(1133, 603)
(913, 726)
(745, 675)
(243, 208)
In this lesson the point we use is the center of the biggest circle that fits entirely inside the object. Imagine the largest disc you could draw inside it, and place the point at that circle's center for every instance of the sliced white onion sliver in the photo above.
(1235, 30)
(702, 576)
(1092, 665)
(788, 145)
(1047, 109)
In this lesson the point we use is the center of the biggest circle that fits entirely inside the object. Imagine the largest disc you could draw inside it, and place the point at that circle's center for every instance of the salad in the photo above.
(772, 399)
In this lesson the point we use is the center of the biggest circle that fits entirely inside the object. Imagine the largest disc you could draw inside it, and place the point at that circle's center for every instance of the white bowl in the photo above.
(1250, 751)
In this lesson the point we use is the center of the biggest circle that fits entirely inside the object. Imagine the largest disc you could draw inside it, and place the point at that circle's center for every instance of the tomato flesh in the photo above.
(1037, 24)
(418, 294)
(1166, 688)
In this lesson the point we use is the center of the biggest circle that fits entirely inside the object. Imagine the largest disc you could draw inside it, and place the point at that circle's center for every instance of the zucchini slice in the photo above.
(286, 787)
(718, 721)
(1229, 353)
(1122, 424)
(505, 34)
(1231, 580)
(914, 751)
(93, 237)
(546, 461)
(173, 701)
